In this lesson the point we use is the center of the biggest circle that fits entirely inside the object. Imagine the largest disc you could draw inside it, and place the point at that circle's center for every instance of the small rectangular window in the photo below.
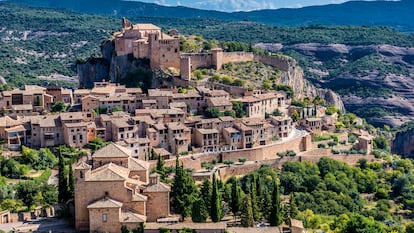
(104, 218)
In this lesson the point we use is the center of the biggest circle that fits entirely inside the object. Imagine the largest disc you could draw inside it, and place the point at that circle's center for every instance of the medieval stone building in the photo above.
(115, 189)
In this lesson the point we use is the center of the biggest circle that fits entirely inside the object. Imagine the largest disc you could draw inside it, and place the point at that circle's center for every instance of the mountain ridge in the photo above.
(395, 14)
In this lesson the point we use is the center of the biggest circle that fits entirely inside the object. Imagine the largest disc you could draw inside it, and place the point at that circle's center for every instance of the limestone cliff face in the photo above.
(295, 77)
(108, 67)
(403, 144)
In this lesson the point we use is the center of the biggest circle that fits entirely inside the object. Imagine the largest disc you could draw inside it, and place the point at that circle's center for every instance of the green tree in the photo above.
(182, 190)
(199, 212)
(212, 112)
(124, 229)
(247, 219)
(117, 109)
(205, 194)
(360, 224)
(275, 218)
(253, 198)
(331, 109)
(160, 169)
(238, 109)
(295, 116)
(236, 198)
(71, 183)
(59, 106)
(62, 179)
(216, 209)
(382, 143)
(230, 113)
(293, 208)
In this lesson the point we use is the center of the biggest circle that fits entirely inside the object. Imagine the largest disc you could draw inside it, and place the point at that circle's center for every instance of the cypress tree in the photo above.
(62, 179)
(247, 212)
(216, 211)
(71, 185)
(236, 198)
(205, 194)
(275, 218)
(182, 190)
(253, 197)
(160, 169)
(199, 212)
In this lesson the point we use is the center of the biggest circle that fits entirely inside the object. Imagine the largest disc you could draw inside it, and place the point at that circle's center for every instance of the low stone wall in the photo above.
(237, 57)
(282, 64)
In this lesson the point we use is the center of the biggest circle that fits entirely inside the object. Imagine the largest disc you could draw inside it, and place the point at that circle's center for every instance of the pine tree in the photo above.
(182, 190)
(247, 212)
(63, 183)
(205, 194)
(199, 212)
(216, 211)
(71, 185)
(236, 198)
(275, 218)
(253, 197)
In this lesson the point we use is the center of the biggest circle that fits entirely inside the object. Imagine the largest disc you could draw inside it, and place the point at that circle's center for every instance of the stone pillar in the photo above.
(185, 68)
(217, 58)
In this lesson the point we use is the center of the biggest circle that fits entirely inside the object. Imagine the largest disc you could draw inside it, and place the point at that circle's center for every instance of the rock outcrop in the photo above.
(403, 144)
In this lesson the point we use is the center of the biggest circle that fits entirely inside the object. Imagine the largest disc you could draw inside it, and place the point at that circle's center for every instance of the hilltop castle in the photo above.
(163, 51)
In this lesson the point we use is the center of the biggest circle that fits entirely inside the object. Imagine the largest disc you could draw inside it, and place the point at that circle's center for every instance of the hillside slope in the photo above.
(396, 14)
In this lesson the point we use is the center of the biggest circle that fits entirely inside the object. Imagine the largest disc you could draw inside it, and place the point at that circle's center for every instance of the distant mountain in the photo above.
(396, 14)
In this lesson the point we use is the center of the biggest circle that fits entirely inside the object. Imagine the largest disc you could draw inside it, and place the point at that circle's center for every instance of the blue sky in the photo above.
(243, 5)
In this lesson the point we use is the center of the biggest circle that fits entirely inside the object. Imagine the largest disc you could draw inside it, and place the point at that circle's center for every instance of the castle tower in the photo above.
(217, 58)
(185, 67)
(154, 50)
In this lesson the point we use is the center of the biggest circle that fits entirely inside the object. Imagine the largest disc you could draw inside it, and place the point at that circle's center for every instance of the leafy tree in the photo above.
(382, 143)
(360, 224)
(216, 210)
(28, 192)
(49, 194)
(238, 109)
(182, 190)
(247, 219)
(59, 106)
(212, 112)
(293, 210)
(160, 169)
(230, 113)
(331, 109)
(295, 116)
(124, 229)
(228, 162)
(275, 218)
(117, 109)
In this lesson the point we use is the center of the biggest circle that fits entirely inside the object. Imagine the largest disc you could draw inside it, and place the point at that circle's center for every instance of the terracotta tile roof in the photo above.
(139, 197)
(112, 151)
(176, 126)
(231, 130)
(296, 223)
(106, 202)
(17, 128)
(218, 226)
(137, 164)
(136, 140)
(109, 172)
(226, 118)
(253, 121)
(161, 151)
(158, 92)
(82, 91)
(75, 125)
(130, 217)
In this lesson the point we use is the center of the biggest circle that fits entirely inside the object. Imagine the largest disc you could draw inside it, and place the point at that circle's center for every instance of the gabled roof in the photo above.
(83, 166)
(158, 187)
(109, 172)
(106, 202)
(139, 197)
(112, 151)
(137, 164)
(130, 217)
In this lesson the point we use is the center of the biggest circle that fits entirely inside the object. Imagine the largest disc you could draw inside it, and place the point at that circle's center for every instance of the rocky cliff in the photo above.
(302, 87)
(403, 144)
(374, 81)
